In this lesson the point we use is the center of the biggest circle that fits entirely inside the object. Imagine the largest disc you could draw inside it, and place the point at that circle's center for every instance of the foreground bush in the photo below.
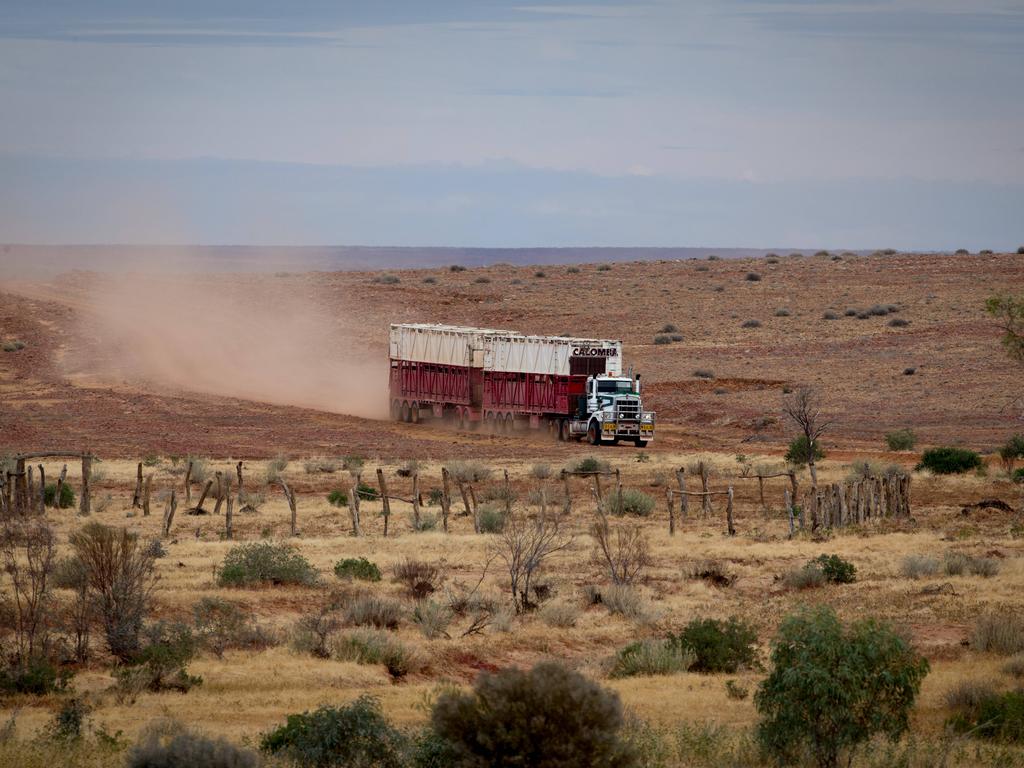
(36, 676)
(549, 716)
(949, 460)
(170, 745)
(832, 688)
(718, 646)
(998, 717)
(357, 568)
(265, 563)
(357, 735)
(835, 569)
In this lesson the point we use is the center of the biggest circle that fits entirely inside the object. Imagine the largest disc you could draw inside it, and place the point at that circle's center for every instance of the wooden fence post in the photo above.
(465, 497)
(684, 502)
(508, 495)
(416, 500)
(385, 501)
(353, 504)
(3, 495)
(728, 513)
(228, 510)
(705, 500)
(618, 490)
(238, 470)
(202, 496)
(20, 492)
(146, 490)
(30, 493)
(188, 483)
(172, 504)
(789, 511)
(289, 496)
(671, 512)
(446, 497)
(137, 496)
(61, 479)
(476, 509)
(220, 491)
(42, 490)
(84, 505)
(597, 487)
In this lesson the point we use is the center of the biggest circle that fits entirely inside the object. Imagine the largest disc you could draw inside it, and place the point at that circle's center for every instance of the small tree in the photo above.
(546, 718)
(121, 579)
(832, 688)
(27, 550)
(1009, 313)
(524, 545)
(804, 408)
(624, 553)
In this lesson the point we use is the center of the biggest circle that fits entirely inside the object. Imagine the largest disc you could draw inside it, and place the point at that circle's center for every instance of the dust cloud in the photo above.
(240, 336)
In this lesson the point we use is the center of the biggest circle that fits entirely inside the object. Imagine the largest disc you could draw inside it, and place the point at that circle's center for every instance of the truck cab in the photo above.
(611, 410)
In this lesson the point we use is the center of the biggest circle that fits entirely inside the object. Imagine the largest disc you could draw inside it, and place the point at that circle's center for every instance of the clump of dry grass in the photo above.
(373, 611)
(1001, 633)
(919, 566)
(560, 613)
(967, 695)
(714, 572)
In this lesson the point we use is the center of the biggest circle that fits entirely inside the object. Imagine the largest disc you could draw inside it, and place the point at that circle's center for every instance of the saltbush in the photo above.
(590, 464)
(491, 518)
(265, 562)
(901, 440)
(834, 687)
(835, 569)
(949, 460)
(718, 646)
(357, 568)
(645, 658)
(337, 498)
(37, 676)
(548, 717)
(167, 744)
(377, 647)
(160, 664)
(374, 611)
(633, 502)
(356, 735)
(222, 624)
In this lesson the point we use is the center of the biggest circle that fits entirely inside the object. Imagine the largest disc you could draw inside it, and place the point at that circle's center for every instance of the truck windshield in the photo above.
(613, 387)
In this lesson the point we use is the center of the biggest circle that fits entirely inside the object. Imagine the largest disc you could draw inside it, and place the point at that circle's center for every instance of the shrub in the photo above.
(274, 469)
(831, 687)
(408, 469)
(337, 498)
(949, 460)
(718, 646)
(835, 569)
(662, 338)
(590, 464)
(160, 665)
(420, 578)
(752, 277)
(830, 315)
(222, 624)
(13, 346)
(456, 268)
(540, 273)
(633, 502)
(469, 471)
(491, 518)
(901, 440)
(560, 613)
(623, 600)
(798, 452)
(540, 471)
(736, 691)
(821, 253)
(264, 562)
(357, 568)
(387, 279)
(968, 694)
(432, 618)
(355, 735)
(782, 312)
(482, 280)
(669, 328)
(604, 267)
(36, 676)
(376, 647)
(427, 522)
(430, 280)
(851, 312)
(713, 257)
(703, 373)
(373, 611)
(714, 572)
(1018, 476)
(313, 631)
(547, 717)
(750, 324)
(67, 496)
(645, 658)
(1015, 666)
(919, 566)
(898, 322)
(573, 270)
(959, 563)
(1001, 633)
(998, 717)
(809, 577)
(367, 492)
(167, 744)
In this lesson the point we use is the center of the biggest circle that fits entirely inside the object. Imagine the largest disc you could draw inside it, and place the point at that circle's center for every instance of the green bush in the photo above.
(633, 502)
(356, 735)
(37, 677)
(1018, 475)
(337, 498)
(718, 646)
(809, 577)
(167, 744)
(798, 452)
(949, 460)
(645, 658)
(835, 569)
(662, 338)
(222, 624)
(67, 496)
(367, 492)
(264, 562)
(547, 717)
(997, 717)
(357, 568)
(590, 464)
(377, 647)
(491, 518)
(832, 688)
(160, 664)
(901, 440)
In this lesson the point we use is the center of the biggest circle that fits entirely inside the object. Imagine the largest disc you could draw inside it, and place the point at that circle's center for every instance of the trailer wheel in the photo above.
(593, 434)
(563, 430)
(414, 413)
(396, 410)
(510, 424)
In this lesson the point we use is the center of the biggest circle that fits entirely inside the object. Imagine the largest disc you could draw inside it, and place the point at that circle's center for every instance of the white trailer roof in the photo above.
(498, 350)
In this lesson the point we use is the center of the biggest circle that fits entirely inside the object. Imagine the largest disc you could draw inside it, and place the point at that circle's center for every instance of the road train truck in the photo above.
(504, 380)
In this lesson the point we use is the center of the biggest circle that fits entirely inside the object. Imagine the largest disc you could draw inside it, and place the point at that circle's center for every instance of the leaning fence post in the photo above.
(188, 483)
(172, 504)
(289, 496)
(508, 495)
(137, 496)
(446, 497)
(705, 500)
(728, 513)
(385, 501)
(42, 490)
(220, 491)
(671, 512)
(597, 486)
(146, 490)
(789, 512)
(353, 504)
(416, 501)
(84, 504)
(618, 489)
(229, 510)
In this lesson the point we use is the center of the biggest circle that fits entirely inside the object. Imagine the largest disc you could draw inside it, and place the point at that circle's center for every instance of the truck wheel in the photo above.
(563, 430)
(405, 411)
(510, 424)
(415, 413)
(593, 434)
(396, 410)
(640, 443)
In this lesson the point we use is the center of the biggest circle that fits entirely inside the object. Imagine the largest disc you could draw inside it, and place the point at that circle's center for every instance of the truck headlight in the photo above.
(649, 417)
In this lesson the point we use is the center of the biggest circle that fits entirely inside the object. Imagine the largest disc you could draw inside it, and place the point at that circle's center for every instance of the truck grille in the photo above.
(627, 410)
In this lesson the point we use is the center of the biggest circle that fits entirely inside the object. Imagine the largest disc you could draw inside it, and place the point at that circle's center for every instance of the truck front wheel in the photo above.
(594, 434)
(640, 443)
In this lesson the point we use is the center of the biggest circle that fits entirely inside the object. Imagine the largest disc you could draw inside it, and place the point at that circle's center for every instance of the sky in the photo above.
(748, 123)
